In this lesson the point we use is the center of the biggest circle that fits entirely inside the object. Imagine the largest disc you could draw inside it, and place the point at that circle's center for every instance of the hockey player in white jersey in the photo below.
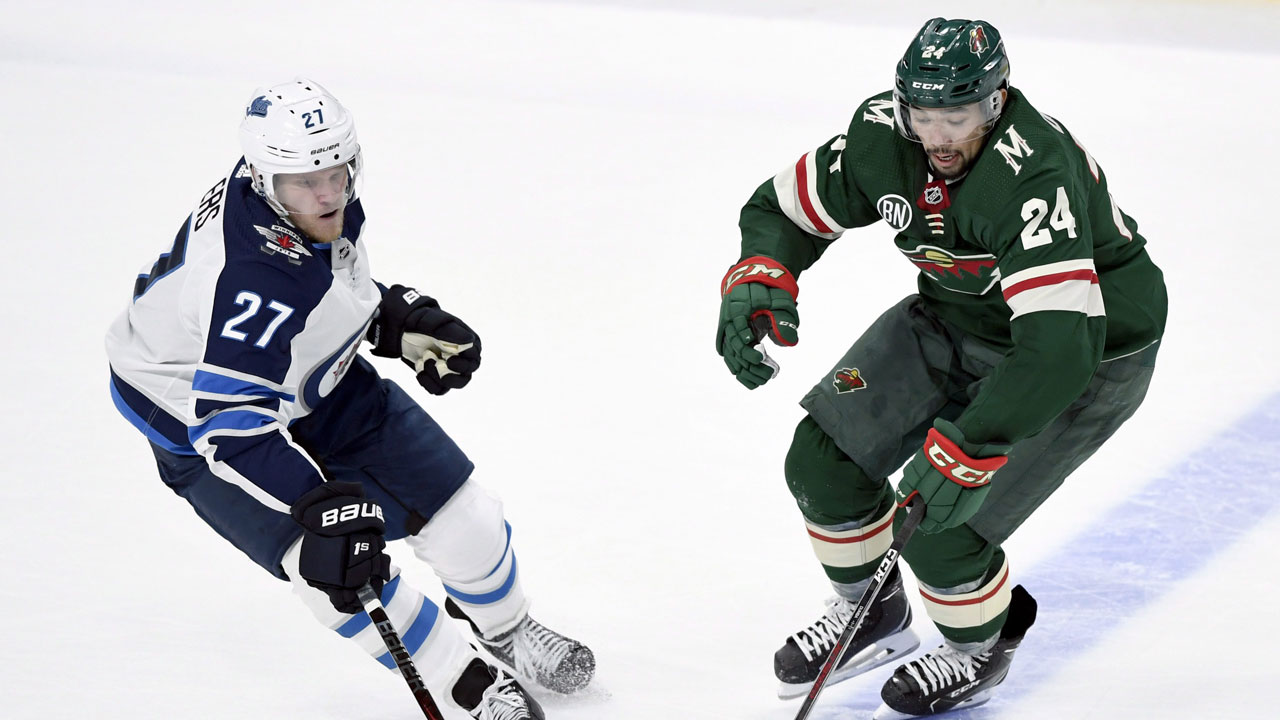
(237, 358)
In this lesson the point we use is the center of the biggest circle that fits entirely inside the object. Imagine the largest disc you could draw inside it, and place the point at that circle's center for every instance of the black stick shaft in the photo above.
(399, 654)
(915, 513)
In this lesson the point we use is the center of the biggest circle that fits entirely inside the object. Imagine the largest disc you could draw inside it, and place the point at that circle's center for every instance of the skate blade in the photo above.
(884, 650)
(884, 712)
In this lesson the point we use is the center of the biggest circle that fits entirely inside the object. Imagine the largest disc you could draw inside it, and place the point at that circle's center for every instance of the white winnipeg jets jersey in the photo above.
(240, 328)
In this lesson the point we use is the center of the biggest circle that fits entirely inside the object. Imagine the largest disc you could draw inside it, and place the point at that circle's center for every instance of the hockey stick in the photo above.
(404, 661)
(915, 513)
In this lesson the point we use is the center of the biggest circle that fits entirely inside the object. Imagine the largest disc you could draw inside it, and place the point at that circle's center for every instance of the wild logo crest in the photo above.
(848, 380)
(978, 41)
(970, 274)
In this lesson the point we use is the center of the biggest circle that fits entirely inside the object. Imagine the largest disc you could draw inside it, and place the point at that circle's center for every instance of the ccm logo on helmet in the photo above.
(927, 86)
(350, 512)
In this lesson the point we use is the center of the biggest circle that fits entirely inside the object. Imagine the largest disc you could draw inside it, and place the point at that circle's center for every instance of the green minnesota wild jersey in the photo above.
(1028, 252)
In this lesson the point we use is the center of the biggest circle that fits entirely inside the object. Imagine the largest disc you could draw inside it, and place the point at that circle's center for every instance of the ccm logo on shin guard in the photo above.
(966, 471)
(350, 512)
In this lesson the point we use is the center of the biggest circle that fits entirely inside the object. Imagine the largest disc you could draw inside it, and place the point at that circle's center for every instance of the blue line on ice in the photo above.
(1135, 554)
(1129, 558)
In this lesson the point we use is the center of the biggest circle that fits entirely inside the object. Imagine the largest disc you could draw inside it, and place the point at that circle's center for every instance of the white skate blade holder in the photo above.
(883, 651)
(420, 349)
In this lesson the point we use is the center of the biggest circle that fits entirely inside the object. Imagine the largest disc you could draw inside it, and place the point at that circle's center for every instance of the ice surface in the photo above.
(567, 178)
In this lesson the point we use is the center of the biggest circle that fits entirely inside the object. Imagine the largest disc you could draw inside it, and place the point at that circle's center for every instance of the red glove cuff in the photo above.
(762, 270)
(948, 459)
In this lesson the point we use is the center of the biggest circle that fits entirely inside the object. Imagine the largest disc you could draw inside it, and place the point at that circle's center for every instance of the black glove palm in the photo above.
(440, 348)
(342, 542)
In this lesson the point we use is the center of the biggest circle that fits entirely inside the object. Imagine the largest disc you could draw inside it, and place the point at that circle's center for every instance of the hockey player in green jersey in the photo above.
(1031, 338)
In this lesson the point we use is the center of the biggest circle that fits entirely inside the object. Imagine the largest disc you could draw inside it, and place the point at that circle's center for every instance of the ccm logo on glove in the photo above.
(350, 512)
(762, 270)
(747, 270)
(942, 454)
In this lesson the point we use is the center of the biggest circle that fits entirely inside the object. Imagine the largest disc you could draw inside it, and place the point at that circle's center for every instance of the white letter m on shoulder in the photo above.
(1016, 150)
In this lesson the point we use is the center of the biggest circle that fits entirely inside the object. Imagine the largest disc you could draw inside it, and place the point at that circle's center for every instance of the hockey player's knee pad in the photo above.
(466, 538)
(468, 544)
(827, 484)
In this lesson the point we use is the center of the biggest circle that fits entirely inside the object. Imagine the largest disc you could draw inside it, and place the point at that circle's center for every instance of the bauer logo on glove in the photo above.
(440, 348)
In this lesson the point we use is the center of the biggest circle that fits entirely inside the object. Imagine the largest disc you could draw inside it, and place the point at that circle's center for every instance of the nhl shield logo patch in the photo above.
(847, 380)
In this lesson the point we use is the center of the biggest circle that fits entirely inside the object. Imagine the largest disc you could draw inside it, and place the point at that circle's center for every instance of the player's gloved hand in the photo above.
(440, 348)
(952, 476)
(757, 291)
(342, 542)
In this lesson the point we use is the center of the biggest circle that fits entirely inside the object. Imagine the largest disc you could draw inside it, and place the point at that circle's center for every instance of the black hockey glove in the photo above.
(341, 542)
(440, 348)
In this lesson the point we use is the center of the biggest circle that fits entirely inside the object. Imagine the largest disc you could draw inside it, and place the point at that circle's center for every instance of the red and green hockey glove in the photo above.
(757, 291)
(952, 476)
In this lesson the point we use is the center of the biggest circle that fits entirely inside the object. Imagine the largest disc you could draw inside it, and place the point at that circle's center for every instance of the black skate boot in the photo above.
(948, 679)
(537, 653)
(490, 694)
(885, 635)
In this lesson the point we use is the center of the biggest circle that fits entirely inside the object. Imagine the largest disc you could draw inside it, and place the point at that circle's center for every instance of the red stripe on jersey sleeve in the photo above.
(1052, 279)
(802, 191)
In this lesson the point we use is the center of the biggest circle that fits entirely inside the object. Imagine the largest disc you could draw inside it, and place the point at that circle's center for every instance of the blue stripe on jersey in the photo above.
(490, 597)
(416, 635)
(211, 382)
(360, 621)
(230, 420)
(159, 426)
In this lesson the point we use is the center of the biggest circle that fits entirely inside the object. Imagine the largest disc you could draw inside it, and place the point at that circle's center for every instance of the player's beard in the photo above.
(320, 228)
(958, 165)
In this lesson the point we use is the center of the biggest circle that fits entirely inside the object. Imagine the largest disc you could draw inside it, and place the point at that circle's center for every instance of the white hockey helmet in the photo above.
(294, 128)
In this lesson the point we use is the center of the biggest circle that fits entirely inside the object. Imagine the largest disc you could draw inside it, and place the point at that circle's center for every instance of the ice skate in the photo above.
(537, 653)
(950, 679)
(885, 636)
(489, 693)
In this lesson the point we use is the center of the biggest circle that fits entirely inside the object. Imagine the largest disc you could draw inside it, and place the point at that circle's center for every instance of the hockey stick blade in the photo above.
(399, 654)
(915, 513)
